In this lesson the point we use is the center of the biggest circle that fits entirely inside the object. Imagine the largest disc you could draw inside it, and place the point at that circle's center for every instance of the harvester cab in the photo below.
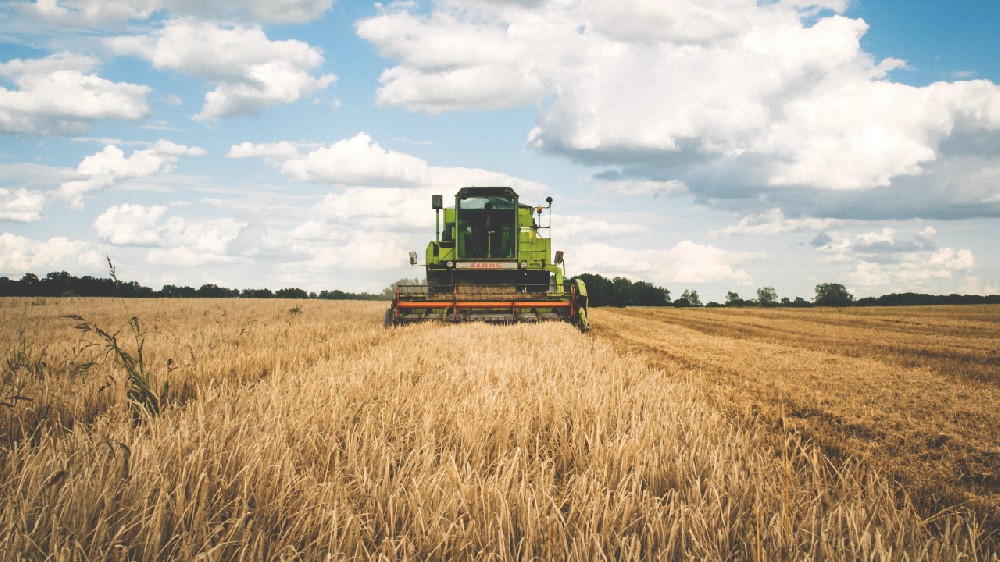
(489, 262)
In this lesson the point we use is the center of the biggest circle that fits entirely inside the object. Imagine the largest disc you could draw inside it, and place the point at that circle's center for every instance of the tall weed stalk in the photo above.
(10, 388)
(143, 398)
(141, 394)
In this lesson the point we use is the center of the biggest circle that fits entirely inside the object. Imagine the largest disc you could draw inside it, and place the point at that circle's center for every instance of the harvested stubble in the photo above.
(319, 434)
(911, 390)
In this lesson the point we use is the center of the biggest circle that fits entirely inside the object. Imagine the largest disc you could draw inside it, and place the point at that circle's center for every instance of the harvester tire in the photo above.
(387, 320)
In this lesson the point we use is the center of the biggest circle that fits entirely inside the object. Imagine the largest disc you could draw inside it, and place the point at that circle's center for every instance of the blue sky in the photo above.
(716, 146)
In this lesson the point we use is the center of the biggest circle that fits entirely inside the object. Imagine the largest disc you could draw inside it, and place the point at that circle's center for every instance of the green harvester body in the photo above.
(489, 262)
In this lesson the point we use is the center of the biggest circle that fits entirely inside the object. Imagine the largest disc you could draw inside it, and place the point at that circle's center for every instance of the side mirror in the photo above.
(548, 200)
(413, 258)
(559, 257)
(436, 202)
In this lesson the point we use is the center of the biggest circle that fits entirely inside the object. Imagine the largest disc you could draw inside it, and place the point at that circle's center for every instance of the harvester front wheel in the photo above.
(388, 320)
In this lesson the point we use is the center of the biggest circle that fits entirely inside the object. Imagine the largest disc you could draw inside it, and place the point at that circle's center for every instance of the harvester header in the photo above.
(490, 262)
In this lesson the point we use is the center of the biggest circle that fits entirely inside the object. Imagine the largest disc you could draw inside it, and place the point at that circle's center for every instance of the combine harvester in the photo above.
(490, 264)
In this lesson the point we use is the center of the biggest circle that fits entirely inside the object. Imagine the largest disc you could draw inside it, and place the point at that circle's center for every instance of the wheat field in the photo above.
(304, 430)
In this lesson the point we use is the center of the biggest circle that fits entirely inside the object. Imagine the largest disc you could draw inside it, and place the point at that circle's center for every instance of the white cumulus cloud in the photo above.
(21, 254)
(878, 245)
(861, 133)
(648, 188)
(120, 12)
(188, 241)
(888, 259)
(367, 251)
(130, 225)
(914, 271)
(358, 161)
(379, 207)
(110, 166)
(21, 205)
(269, 152)
(358, 208)
(760, 95)
(685, 262)
(775, 222)
(361, 162)
(583, 229)
(61, 94)
(249, 71)
(460, 65)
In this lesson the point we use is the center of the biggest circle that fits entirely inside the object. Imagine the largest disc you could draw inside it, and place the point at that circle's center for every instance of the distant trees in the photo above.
(623, 292)
(62, 284)
(832, 294)
(766, 296)
(688, 298)
(914, 299)
(256, 294)
(173, 291)
(213, 291)
(827, 294)
(647, 294)
(618, 291)
(293, 293)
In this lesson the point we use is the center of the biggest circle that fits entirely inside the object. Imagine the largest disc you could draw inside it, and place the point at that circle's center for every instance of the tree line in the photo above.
(835, 294)
(62, 284)
(620, 291)
(617, 291)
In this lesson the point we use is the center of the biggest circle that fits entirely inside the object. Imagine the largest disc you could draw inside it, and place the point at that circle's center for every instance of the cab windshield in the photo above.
(486, 227)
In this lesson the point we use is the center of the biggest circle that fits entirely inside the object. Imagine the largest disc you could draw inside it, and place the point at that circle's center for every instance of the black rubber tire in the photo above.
(387, 320)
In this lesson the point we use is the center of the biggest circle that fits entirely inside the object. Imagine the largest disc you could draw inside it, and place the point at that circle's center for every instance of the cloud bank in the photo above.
(111, 166)
(61, 94)
(731, 98)
(120, 12)
(249, 71)
(21, 205)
